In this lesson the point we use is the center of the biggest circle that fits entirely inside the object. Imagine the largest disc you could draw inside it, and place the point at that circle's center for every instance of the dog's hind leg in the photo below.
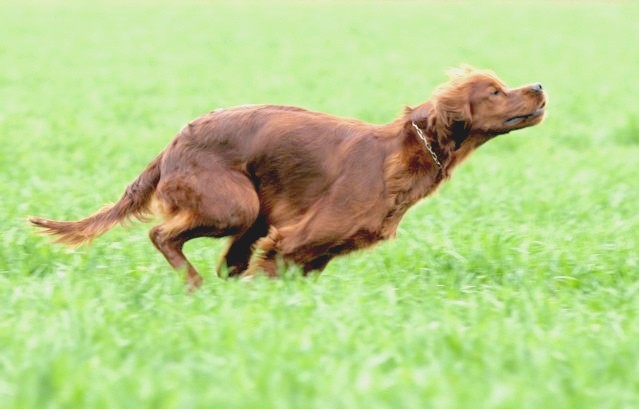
(171, 247)
(218, 206)
(237, 256)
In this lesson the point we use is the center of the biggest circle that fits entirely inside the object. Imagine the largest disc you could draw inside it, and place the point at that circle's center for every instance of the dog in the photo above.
(299, 186)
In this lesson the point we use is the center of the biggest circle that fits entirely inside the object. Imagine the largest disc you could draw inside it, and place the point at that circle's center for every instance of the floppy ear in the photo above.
(451, 116)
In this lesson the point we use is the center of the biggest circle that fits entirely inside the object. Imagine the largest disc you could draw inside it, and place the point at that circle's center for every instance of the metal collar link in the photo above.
(421, 135)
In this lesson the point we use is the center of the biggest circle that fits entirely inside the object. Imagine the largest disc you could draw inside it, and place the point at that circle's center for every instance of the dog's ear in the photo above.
(451, 113)
(450, 124)
(459, 132)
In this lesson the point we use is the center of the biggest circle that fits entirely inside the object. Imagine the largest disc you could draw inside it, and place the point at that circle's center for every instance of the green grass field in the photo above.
(516, 286)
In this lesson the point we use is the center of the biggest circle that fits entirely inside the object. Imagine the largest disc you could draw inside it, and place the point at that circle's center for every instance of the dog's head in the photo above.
(475, 105)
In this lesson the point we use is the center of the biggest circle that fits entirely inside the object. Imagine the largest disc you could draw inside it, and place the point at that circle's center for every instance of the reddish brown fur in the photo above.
(304, 186)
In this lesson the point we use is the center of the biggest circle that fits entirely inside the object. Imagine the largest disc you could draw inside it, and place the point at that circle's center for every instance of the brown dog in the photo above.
(305, 186)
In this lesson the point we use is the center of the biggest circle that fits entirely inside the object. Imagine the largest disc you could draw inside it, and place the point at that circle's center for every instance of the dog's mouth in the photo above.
(522, 118)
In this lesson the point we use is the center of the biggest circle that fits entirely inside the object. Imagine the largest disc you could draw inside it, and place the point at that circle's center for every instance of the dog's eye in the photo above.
(494, 92)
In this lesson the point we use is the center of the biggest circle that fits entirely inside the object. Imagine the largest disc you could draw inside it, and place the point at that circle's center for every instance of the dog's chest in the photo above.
(401, 200)
(367, 237)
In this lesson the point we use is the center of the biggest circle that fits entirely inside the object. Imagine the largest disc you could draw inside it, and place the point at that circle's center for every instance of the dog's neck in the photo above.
(428, 145)
(449, 145)
(425, 151)
(409, 154)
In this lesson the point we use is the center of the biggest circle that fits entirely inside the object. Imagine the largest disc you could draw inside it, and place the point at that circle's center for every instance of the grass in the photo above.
(516, 286)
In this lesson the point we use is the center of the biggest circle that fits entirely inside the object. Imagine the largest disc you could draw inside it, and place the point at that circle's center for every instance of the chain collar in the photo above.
(429, 148)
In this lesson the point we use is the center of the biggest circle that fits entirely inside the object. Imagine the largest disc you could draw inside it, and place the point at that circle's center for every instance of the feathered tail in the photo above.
(133, 204)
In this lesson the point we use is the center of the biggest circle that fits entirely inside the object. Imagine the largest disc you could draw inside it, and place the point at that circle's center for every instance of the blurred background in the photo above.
(515, 286)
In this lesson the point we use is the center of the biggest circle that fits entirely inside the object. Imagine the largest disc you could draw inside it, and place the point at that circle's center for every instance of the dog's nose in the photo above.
(537, 87)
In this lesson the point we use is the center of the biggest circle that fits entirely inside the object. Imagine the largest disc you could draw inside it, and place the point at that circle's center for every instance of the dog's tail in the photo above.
(133, 204)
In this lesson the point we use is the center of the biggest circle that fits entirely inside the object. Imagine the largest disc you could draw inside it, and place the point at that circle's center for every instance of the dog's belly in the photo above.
(360, 240)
